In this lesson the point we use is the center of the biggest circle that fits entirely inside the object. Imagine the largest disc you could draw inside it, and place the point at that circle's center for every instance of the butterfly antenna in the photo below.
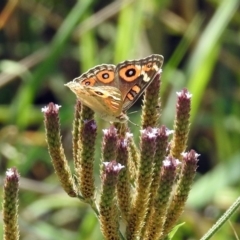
(132, 112)
(133, 123)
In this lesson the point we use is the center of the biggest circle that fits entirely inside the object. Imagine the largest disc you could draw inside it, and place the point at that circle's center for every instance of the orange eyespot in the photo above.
(105, 76)
(130, 73)
(89, 82)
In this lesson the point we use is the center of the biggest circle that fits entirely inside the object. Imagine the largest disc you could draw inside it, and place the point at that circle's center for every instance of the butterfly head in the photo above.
(105, 100)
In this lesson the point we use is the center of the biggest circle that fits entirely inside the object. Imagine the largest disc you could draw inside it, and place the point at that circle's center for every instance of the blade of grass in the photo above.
(223, 140)
(180, 51)
(201, 63)
(99, 17)
(128, 32)
(88, 50)
(222, 220)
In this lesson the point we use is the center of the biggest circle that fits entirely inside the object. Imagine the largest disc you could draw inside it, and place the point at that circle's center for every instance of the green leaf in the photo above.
(174, 230)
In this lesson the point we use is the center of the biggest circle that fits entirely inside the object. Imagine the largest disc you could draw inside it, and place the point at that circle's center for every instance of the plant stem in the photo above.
(222, 220)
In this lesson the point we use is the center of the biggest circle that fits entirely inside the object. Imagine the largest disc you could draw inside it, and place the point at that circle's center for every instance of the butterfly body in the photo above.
(111, 90)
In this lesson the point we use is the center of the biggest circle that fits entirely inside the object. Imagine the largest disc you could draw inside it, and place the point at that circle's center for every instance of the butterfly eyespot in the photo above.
(99, 93)
(105, 75)
(149, 65)
(89, 82)
(130, 72)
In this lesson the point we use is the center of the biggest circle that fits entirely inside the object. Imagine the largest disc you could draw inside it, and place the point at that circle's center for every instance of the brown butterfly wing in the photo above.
(98, 90)
(101, 75)
(135, 76)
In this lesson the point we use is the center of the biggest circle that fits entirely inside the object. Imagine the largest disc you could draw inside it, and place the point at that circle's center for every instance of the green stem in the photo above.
(222, 220)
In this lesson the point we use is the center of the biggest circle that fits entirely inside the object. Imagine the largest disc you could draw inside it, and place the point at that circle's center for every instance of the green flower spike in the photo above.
(109, 144)
(123, 185)
(160, 203)
(108, 210)
(161, 149)
(85, 172)
(122, 128)
(181, 192)
(86, 113)
(55, 148)
(150, 111)
(10, 205)
(134, 157)
(76, 134)
(181, 124)
(143, 181)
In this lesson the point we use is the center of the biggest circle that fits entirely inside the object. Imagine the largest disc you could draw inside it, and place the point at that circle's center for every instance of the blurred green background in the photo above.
(44, 44)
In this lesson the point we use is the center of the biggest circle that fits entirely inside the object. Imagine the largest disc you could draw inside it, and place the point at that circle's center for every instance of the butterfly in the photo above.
(111, 90)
